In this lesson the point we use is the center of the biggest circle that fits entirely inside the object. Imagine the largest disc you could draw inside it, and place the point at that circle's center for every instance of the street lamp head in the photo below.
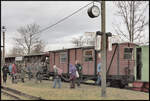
(3, 28)
(99, 33)
(109, 34)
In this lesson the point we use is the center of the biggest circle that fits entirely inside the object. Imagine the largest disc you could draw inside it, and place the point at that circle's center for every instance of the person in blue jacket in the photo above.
(98, 74)
(10, 69)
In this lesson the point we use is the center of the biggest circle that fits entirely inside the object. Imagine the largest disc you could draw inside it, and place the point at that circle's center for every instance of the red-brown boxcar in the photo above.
(120, 61)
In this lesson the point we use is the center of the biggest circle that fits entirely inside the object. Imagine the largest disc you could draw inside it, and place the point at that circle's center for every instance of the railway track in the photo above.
(11, 95)
(15, 94)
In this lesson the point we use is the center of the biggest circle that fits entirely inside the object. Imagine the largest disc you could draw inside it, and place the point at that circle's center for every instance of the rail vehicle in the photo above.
(120, 67)
(120, 62)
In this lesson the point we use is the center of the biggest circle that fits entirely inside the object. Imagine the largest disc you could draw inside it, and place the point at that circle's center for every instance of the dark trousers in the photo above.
(22, 79)
(72, 82)
(4, 78)
(29, 75)
(78, 80)
(39, 77)
(14, 78)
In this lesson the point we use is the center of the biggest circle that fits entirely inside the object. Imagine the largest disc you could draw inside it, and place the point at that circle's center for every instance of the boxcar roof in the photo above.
(35, 54)
(83, 47)
(144, 46)
(89, 47)
(123, 43)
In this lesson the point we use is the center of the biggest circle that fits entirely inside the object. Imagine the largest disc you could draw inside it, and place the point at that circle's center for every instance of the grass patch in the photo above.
(85, 92)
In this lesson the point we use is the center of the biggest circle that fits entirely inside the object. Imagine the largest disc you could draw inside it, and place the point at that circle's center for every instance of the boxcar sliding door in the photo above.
(88, 62)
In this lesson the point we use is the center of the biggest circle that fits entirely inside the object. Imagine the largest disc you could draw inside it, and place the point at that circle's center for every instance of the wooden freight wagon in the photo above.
(120, 62)
(85, 55)
(9, 59)
(141, 71)
(30, 58)
(34, 58)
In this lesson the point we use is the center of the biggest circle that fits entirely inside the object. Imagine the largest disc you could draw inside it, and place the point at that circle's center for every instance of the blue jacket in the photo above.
(10, 68)
(99, 67)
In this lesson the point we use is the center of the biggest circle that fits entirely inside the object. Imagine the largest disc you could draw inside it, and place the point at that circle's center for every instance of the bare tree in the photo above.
(78, 42)
(89, 41)
(29, 38)
(16, 51)
(39, 47)
(133, 20)
(83, 41)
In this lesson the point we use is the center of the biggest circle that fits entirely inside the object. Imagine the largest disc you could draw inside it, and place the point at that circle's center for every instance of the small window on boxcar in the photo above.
(88, 55)
(128, 53)
(63, 57)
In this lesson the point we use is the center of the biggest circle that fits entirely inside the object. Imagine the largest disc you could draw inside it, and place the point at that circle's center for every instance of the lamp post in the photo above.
(104, 54)
(3, 30)
(94, 12)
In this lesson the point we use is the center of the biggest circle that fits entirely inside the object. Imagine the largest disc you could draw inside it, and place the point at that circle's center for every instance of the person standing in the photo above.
(14, 71)
(23, 73)
(39, 71)
(29, 71)
(98, 74)
(57, 76)
(34, 67)
(79, 69)
(10, 70)
(72, 72)
(5, 71)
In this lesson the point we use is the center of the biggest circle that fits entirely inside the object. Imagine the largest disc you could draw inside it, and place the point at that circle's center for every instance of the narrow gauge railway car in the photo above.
(120, 62)
(31, 59)
(141, 70)
(10, 59)
(35, 58)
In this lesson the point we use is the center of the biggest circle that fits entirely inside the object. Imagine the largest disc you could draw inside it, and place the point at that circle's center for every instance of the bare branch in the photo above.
(132, 13)
(28, 37)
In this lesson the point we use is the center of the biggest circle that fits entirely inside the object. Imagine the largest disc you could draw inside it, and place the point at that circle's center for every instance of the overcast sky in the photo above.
(45, 13)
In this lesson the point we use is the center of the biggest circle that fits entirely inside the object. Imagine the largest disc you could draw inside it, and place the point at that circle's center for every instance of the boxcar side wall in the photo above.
(72, 56)
(126, 64)
(113, 66)
(79, 56)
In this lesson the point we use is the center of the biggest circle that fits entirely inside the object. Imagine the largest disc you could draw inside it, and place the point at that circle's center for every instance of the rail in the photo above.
(20, 93)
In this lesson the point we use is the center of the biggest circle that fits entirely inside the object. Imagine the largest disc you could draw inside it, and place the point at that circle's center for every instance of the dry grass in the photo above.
(85, 92)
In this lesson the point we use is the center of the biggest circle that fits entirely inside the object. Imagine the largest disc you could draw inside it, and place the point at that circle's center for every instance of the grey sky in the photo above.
(45, 13)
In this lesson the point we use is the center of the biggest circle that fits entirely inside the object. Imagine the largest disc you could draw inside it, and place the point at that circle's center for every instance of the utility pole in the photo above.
(103, 83)
(3, 29)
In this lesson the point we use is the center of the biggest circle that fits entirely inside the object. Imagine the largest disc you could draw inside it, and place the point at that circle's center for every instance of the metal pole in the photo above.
(103, 83)
(4, 46)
